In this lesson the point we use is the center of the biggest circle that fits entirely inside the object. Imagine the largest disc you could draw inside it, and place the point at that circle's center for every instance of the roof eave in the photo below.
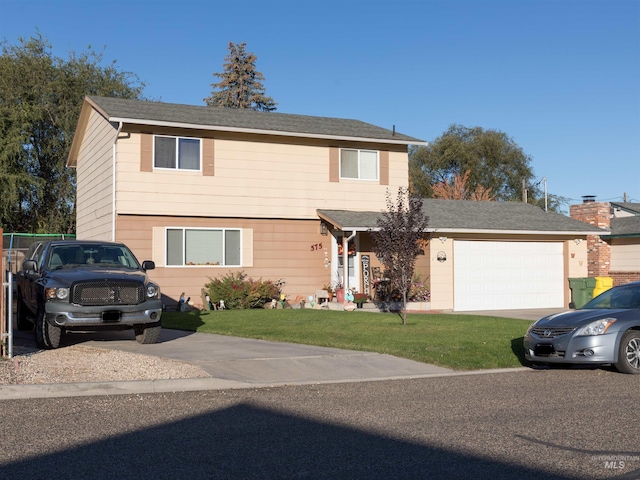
(157, 123)
(624, 235)
(518, 232)
(348, 228)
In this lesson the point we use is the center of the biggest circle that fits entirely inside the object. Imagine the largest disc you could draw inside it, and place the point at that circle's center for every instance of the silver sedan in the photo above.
(606, 330)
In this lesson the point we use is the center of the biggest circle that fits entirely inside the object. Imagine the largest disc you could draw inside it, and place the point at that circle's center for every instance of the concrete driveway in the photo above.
(260, 362)
(236, 362)
(532, 314)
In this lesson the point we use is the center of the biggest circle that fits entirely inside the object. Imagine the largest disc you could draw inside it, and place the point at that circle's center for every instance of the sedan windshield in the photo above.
(617, 297)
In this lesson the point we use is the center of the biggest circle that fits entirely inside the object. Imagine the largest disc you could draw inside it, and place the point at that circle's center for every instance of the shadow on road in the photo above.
(246, 442)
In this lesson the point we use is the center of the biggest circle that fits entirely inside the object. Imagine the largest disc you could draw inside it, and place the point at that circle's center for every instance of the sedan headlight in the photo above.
(598, 327)
(58, 293)
(153, 290)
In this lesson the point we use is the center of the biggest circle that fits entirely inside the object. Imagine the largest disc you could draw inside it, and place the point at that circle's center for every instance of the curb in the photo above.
(141, 387)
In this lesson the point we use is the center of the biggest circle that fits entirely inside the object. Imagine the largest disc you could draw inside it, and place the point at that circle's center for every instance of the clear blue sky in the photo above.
(561, 78)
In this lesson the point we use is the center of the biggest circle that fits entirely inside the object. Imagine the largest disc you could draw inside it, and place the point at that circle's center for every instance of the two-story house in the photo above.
(203, 191)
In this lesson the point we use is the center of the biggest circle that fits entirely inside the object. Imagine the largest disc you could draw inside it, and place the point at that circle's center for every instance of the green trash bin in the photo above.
(581, 290)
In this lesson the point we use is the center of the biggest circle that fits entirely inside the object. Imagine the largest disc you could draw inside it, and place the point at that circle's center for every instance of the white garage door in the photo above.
(507, 275)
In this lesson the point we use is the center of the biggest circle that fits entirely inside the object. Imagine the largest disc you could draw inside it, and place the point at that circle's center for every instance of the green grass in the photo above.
(461, 342)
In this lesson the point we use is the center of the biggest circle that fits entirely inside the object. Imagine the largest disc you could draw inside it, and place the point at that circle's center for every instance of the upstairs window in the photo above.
(359, 164)
(177, 153)
(204, 247)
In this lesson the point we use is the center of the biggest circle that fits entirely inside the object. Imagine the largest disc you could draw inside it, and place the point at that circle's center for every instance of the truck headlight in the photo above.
(57, 293)
(153, 290)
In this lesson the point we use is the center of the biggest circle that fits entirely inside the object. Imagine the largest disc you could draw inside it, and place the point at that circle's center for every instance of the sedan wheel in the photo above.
(629, 353)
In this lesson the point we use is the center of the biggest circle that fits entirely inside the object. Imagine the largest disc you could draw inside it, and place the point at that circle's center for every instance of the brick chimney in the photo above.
(597, 214)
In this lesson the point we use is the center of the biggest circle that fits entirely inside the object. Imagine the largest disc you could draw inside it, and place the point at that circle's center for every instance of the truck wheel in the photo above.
(39, 327)
(147, 334)
(47, 336)
(23, 322)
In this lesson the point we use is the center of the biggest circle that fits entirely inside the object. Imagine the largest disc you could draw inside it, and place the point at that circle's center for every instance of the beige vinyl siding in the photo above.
(281, 249)
(398, 171)
(94, 194)
(576, 260)
(625, 255)
(441, 274)
(252, 179)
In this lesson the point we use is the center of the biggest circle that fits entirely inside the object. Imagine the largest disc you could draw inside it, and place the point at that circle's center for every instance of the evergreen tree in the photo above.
(240, 84)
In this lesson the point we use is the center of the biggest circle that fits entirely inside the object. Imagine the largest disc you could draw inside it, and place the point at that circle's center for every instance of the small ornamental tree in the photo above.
(399, 239)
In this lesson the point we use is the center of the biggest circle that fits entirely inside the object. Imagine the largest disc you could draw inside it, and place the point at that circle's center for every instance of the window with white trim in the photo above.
(203, 246)
(359, 164)
(177, 152)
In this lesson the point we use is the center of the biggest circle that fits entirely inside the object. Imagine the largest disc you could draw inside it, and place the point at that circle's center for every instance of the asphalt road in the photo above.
(551, 424)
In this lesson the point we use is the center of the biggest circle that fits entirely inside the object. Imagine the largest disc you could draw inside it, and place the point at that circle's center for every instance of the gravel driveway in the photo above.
(78, 363)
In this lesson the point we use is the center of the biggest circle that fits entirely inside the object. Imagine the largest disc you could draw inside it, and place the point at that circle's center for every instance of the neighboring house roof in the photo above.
(629, 207)
(248, 121)
(466, 216)
(625, 226)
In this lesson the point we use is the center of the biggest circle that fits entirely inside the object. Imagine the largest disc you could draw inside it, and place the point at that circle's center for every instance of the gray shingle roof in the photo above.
(139, 111)
(626, 226)
(628, 206)
(465, 215)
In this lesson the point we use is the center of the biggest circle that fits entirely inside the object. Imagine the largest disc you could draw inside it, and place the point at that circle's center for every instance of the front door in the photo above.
(352, 263)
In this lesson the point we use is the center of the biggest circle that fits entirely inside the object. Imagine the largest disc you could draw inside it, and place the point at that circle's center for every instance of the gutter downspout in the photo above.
(113, 184)
(345, 258)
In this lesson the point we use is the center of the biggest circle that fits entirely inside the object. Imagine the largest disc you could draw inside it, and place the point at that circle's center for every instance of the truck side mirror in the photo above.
(148, 265)
(29, 265)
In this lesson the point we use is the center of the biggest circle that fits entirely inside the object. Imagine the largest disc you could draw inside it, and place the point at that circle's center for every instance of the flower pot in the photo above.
(340, 295)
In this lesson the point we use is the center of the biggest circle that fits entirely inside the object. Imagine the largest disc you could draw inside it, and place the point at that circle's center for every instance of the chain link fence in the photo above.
(14, 248)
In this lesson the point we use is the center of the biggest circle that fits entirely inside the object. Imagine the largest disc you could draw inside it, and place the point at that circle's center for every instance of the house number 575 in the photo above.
(316, 246)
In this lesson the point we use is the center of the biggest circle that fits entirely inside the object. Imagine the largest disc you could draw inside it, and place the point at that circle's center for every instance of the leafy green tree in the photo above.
(240, 84)
(40, 101)
(493, 160)
(400, 238)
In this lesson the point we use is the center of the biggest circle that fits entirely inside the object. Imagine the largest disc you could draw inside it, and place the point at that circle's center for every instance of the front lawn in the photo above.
(461, 342)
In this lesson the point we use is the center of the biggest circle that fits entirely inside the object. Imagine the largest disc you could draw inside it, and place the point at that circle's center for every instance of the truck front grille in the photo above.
(108, 293)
